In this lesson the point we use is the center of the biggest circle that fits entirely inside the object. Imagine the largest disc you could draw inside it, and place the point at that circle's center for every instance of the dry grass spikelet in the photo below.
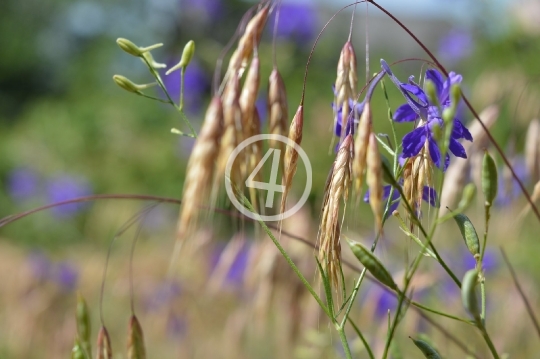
(104, 350)
(290, 161)
(200, 168)
(532, 150)
(278, 111)
(374, 180)
(135, 346)
(232, 134)
(248, 40)
(337, 189)
(346, 82)
(360, 148)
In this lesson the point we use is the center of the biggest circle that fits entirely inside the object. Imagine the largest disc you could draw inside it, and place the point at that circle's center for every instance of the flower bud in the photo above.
(133, 49)
(187, 55)
(129, 86)
(431, 91)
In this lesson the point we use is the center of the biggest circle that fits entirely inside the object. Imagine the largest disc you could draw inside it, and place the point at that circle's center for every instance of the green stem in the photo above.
(344, 342)
(362, 338)
(434, 311)
(488, 341)
(181, 106)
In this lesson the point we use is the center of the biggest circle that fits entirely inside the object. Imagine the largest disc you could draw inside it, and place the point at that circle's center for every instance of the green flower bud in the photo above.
(133, 49)
(77, 352)
(450, 112)
(468, 293)
(129, 86)
(431, 91)
(187, 55)
(372, 264)
(489, 179)
(469, 233)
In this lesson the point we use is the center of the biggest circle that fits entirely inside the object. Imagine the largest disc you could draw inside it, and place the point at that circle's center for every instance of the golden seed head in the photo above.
(361, 147)
(374, 180)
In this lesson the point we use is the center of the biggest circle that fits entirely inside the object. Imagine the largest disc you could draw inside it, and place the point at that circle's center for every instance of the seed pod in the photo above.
(372, 264)
(130, 86)
(133, 49)
(428, 351)
(84, 329)
(468, 195)
(468, 293)
(135, 346)
(360, 148)
(104, 350)
(469, 233)
(489, 179)
(291, 155)
(374, 180)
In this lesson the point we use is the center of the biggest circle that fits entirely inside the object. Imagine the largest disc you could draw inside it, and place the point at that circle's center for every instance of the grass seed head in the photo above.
(374, 180)
(278, 110)
(200, 168)
(346, 82)
(104, 349)
(291, 155)
(532, 150)
(248, 97)
(135, 346)
(361, 148)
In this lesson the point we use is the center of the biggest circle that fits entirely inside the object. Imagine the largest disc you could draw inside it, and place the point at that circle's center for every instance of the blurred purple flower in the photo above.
(40, 265)
(235, 274)
(489, 264)
(298, 22)
(196, 86)
(385, 301)
(66, 276)
(456, 45)
(22, 183)
(203, 10)
(164, 294)
(64, 188)
(429, 195)
(508, 187)
(176, 326)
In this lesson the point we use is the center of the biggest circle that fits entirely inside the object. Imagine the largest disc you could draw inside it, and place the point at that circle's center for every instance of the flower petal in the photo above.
(457, 148)
(437, 79)
(414, 141)
(405, 113)
(430, 196)
(434, 152)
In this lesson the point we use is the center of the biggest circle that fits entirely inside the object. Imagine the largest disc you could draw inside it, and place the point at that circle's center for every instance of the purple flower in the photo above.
(196, 86)
(385, 301)
(297, 21)
(352, 118)
(456, 45)
(40, 265)
(22, 184)
(164, 294)
(429, 195)
(236, 271)
(66, 276)
(418, 107)
(64, 188)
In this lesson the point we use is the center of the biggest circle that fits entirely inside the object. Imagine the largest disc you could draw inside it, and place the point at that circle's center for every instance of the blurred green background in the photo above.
(66, 130)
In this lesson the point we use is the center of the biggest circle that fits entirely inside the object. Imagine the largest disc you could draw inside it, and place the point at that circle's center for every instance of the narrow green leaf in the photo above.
(428, 351)
(372, 264)
(469, 233)
(489, 179)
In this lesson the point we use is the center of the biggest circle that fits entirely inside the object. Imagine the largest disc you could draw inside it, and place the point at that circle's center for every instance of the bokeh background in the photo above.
(66, 130)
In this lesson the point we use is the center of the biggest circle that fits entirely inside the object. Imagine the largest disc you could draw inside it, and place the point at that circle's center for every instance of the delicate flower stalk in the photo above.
(147, 58)
(346, 83)
(361, 148)
(278, 111)
(200, 169)
(374, 180)
(330, 227)
(247, 42)
(104, 349)
(291, 155)
(135, 346)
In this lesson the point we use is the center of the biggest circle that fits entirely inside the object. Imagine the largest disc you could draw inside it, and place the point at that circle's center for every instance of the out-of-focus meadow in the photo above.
(66, 130)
